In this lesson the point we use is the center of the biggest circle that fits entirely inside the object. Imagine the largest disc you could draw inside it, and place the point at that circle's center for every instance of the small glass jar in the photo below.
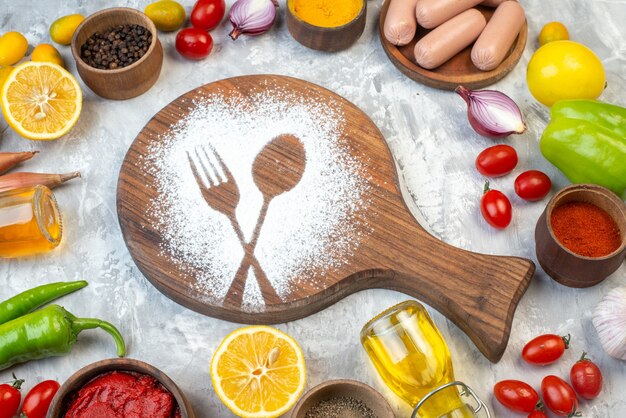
(413, 359)
(30, 222)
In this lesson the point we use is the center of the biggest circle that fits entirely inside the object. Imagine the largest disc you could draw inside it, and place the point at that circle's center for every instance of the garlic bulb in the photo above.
(609, 319)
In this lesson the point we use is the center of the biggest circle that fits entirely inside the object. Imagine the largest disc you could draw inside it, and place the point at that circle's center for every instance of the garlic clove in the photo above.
(609, 319)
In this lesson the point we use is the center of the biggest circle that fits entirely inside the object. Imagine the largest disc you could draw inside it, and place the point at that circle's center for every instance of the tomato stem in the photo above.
(486, 188)
(583, 357)
(539, 406)
(17, 383)
(566, 340)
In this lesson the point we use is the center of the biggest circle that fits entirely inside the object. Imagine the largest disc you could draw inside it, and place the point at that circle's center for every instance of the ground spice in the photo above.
(340, 407)
(585, 229)
(327, 13)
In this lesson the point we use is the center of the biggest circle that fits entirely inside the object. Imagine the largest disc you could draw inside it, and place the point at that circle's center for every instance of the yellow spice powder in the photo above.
(327, 13)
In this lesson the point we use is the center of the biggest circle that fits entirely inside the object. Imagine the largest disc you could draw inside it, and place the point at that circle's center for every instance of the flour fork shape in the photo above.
(220, 191)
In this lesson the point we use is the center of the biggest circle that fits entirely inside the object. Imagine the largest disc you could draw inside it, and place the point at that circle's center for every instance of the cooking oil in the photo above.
(413, 359)
(30, 222)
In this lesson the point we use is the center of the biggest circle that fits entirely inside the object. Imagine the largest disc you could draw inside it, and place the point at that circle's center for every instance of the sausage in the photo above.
(432, 13)
(447, 40)
(499, 34)
(492, 3)
(400, 22)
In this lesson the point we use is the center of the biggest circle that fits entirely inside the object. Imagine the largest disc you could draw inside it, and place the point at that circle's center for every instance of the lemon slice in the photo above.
(41, 100)
(258, 372)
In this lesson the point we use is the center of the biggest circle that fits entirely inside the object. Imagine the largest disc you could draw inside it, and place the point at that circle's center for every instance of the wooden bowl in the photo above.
(122, 83)
(343, 388)
(325, 39)
(565, 266)
(458, 70)
(88, 373)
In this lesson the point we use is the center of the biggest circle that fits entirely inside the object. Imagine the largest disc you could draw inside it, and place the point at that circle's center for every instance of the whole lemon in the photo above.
(47, 53)
(565, 70)
(13, 47)
(62, 29)
(167, 15)
(4, 74)
(553, 31)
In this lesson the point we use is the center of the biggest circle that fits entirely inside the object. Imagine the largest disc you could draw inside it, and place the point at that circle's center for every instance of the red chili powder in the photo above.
(585, 229)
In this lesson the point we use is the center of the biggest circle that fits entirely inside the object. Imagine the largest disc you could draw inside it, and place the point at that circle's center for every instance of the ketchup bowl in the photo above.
(90, 373)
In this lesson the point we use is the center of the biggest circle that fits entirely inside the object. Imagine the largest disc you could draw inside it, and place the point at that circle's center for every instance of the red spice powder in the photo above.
(585, 229)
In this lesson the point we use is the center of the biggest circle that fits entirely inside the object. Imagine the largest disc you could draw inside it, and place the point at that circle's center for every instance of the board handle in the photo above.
(478, 292)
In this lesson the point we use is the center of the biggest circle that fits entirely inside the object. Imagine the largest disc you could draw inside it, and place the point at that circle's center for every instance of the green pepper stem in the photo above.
(80, 324)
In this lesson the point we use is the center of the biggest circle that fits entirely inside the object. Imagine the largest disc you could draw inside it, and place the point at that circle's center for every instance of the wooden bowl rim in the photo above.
(588, 189)
(423, 75)
(98, 368)
(346, 25)
(149, 25)
(347, 383)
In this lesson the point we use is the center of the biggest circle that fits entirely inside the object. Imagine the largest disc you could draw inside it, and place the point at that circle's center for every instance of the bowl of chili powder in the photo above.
(120, 388)
(581, 235)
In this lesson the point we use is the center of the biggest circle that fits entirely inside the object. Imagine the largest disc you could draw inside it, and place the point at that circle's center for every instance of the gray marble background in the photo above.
(434, 146)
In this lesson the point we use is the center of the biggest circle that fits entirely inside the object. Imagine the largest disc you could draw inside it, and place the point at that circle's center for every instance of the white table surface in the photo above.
(434, 146)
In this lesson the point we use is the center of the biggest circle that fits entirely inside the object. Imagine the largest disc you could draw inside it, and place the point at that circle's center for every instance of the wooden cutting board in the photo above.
(305, 209)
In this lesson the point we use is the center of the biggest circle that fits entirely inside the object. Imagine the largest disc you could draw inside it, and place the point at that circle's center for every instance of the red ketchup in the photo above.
(123, 395)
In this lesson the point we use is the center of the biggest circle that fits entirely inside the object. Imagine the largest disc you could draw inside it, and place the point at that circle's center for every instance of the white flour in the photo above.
(308, 230)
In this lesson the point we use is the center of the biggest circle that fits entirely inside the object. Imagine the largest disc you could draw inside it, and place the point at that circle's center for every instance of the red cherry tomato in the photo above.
(207, 14)
(37, 401)
(532, 185)
(586, 378)
(496, 161)
(559, 397)
(537, 414)
(516, 395)
(545, 349)
(194, 43)
(496, 208)
(10, 398)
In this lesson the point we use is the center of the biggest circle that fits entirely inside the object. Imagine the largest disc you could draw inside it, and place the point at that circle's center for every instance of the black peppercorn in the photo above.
(117, 47)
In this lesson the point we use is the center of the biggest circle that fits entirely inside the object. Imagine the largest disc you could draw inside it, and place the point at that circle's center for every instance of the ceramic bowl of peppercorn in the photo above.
(342, 398)
(119, 387)
(118, 54)
(581, 235)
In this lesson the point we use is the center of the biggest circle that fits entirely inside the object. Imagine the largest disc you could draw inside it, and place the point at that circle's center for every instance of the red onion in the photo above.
(492, 113)
(252, 17)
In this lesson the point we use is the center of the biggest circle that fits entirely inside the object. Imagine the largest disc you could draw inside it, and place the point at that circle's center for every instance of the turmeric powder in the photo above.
(326, 13)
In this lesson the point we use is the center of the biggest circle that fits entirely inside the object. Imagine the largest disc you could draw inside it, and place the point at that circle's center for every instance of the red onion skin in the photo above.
(237, 14)
(479, 127)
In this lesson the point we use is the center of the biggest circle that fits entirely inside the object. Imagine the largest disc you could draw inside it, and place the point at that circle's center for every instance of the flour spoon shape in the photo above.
(278, 168)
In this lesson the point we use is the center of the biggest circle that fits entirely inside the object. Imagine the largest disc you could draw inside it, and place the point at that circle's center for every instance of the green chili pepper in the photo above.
(34, 298)
(586, 140)
(48, 332)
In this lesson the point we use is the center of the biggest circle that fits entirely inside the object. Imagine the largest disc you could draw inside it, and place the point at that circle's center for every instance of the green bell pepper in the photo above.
(586, 140)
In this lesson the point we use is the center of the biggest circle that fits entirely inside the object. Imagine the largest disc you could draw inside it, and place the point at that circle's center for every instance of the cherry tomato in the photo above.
(496, 161)
(516, 395)
(545, 349)
(207, 14)
(37, 401)
(586, 378)
(532, 185)
(194, 43)
(537, 414)
(559, 397)
(496, 208)
(10, 398)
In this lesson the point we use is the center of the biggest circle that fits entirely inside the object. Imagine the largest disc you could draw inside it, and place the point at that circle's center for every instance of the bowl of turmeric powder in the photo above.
(329, 26)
